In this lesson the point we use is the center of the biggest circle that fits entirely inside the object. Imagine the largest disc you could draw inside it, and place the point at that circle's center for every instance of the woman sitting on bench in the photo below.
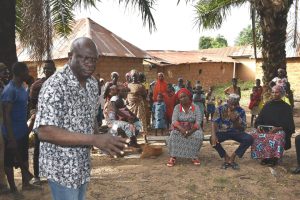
(275, 125)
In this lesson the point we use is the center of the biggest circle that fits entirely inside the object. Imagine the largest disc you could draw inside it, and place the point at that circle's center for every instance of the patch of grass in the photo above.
(246, 89)
(192, 188)
(221, 180)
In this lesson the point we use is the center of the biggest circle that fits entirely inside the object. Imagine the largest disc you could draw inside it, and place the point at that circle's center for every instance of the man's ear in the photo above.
(70, 54)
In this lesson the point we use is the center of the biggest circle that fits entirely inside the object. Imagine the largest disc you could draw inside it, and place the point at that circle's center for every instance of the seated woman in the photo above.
(186, 136)
(118, 116)
(275, 126)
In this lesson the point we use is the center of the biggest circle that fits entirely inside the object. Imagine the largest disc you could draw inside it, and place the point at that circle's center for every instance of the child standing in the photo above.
(159, 113)
(199, 100)
(170, 101)
(210, 104)
(255, 98)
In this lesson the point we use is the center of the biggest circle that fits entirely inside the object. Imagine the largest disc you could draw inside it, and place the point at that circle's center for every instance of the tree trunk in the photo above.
(273, 16)
(8, 53)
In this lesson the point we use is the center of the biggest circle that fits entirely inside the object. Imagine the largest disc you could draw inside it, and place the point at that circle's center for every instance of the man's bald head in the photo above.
(83, 57)
(83, 42)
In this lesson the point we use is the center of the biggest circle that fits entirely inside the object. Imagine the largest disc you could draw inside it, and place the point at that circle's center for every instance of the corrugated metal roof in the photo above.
(185, 57)
(108, 43)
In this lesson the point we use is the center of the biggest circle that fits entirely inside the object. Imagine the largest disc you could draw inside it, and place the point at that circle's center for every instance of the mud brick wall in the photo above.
(209, 74)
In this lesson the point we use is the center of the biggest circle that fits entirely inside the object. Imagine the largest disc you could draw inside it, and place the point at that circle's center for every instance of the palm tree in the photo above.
(273, 21)
(37, 20)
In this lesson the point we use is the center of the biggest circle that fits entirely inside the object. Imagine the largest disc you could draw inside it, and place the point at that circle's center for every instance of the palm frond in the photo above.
(210, 14)
(18, 16)
(62, 16)
(34, 30)
(85, 3)
(145, 7)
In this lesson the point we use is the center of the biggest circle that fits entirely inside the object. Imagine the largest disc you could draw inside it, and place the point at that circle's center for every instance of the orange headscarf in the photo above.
(160, 87)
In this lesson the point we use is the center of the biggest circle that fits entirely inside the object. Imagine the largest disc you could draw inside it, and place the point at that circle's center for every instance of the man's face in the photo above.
(25, 75)
(257, 82)
(4, 75)
(280, 73)
(83, 61)
(48, 70)
(234, 82)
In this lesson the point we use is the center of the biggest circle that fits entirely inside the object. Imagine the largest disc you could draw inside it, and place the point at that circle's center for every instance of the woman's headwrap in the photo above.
(114, 73)
(280, 89)
(186, 91)
(233, 99)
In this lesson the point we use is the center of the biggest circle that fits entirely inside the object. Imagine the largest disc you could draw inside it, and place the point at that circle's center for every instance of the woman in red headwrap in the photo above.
(186, 136)
(161, 86)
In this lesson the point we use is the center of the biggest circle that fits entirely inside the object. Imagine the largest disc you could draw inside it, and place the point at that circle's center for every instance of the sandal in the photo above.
(235, 166)
(225, 165)
(171, 162)
(196, 161)
(296, 170)
(265, 161)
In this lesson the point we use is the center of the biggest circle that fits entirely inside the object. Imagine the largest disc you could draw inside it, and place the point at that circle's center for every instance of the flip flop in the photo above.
(296, 170)
(225, 165)
(235, 166)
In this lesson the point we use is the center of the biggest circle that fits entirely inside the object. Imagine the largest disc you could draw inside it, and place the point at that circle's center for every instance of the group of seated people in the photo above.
(274, 127)
(271, 136)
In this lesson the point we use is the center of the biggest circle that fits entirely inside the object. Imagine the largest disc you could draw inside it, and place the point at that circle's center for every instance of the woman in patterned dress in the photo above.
(135, 99)
(186, 137)
(269, 145)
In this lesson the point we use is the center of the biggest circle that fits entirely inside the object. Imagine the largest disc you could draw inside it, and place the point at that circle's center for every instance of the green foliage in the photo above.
(246, 88)
(212, 13)
(245, 37)
(209, 42)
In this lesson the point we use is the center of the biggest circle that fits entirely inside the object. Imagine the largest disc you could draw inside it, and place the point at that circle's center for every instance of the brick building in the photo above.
(115, 53)
(210, 66)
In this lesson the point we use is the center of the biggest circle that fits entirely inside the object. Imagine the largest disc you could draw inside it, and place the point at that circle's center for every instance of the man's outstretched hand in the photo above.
(111, 144)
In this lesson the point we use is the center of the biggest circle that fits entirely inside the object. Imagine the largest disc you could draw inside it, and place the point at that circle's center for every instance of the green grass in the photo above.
(246, 89)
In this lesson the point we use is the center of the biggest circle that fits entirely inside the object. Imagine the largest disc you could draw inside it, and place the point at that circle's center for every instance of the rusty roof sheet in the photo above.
(108, 43)
(185, 57)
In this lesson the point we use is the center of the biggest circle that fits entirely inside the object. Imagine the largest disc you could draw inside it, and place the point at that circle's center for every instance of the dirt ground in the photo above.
(150, 178)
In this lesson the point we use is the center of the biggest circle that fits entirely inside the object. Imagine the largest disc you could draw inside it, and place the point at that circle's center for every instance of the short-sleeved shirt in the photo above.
(18, 96)
(64, 103)
(223, 121)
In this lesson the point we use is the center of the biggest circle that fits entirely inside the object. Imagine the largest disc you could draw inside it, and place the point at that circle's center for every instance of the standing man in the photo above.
(229, 123)
(66, 123)
(234, 89)
(48, 70)
(4, 74)
(14, 102)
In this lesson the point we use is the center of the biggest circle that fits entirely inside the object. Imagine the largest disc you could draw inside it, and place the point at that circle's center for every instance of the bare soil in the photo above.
(150, 178)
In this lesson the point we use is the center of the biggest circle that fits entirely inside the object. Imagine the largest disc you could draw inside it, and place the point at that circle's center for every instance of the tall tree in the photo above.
(210, 42)
(7, 32)
(273, 22)
(245, 37)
